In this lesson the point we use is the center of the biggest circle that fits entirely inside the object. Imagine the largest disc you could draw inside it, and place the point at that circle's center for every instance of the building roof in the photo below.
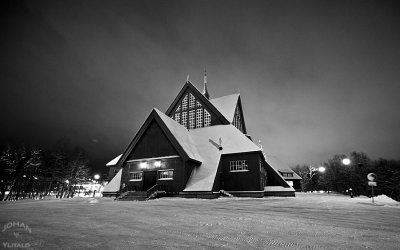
(226, 105)
(202, 145)
(281, 167)
(181, 134)
(114, 161)
(114, 184)
(207, 145)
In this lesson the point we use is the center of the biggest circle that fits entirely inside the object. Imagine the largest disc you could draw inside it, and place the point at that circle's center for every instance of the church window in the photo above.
(207, 119)
(166, 174)
(237, 121)
(237, 166)
(185, 102)
(178, 117)
(135, 176)
(184, 119)
(199, 118)
(192, 101)
(198, 104)
(191, 119)
(178, 109)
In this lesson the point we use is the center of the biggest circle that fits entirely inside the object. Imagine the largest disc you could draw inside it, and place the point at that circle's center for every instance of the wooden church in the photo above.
(198, 148)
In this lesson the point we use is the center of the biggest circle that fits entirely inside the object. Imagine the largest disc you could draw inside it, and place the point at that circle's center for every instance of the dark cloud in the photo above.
(316, 78)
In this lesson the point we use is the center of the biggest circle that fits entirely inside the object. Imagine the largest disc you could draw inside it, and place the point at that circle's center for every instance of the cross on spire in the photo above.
(205, 91)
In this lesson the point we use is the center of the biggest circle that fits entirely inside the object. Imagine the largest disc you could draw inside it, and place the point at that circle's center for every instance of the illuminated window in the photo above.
(191, 119)
(185, 102)
(157, 164)
(198, 104)
(166, 174)
(184, 118)
(240, 165)
(199, 118)
(207, 119)
(135, 176)
(143, 165)
(192, 101)
(178, 117)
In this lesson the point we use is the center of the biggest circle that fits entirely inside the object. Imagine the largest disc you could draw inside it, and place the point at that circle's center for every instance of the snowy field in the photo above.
(308, 221)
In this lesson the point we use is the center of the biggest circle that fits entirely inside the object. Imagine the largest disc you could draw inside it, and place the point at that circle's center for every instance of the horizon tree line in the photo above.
(34, 173)
(352, 179)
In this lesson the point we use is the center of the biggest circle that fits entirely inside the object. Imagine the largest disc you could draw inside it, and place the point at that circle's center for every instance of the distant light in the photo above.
(321, 169)
(143, 165)
(96, 176)
(67, 181)
(157, 163)
(34, 177)
(346, 161)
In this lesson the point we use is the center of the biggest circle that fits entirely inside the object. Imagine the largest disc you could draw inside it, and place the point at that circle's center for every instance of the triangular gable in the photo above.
(231, 107)
(189, 87)
(176, 134)
(226, 105)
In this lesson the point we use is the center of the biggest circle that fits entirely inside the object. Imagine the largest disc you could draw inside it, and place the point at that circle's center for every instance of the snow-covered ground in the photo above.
(308, 221)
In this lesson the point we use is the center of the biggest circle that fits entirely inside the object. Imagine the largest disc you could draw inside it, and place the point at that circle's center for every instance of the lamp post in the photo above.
(346, 161)
(314, 171)
(96, 177)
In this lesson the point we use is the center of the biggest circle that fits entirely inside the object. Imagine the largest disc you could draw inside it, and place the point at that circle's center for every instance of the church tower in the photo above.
(205, 91)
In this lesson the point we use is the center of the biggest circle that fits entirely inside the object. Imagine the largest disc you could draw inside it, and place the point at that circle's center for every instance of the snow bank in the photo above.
(384, 199)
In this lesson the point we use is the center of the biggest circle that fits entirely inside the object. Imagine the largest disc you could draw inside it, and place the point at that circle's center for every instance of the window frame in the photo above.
(165, 170)
(136, 172)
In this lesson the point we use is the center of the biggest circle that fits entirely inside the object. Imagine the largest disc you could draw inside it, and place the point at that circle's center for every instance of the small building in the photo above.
(285, 171)
(198, 148)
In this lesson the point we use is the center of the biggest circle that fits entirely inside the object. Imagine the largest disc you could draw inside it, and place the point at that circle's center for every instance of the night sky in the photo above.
(316, 78)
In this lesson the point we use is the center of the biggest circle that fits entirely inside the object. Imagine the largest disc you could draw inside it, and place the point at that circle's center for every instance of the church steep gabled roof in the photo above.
(202, 98)
(207, 144)
(176, 133)
(226, 105)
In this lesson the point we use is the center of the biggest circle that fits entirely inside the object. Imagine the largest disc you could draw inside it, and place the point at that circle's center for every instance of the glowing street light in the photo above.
(96, 177)
(346, 161)
(313, 171)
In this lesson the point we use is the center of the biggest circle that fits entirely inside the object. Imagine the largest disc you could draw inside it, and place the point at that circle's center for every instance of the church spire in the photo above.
(205, 91)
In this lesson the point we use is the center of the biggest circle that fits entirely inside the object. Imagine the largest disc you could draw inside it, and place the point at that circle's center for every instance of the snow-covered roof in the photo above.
(278, 165)
(202, 145)
(114, 161)
(277, 188)
(226, 105)
(114, 184)
(181, 134)
(207, 142)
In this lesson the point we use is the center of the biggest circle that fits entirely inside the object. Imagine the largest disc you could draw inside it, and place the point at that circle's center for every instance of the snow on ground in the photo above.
(308, 221)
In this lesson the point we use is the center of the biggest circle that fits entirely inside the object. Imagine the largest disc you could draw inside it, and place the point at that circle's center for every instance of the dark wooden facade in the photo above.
(251, 179)
(152, 155)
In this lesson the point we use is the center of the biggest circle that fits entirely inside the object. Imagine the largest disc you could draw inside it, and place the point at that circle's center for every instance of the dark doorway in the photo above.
(150, 179)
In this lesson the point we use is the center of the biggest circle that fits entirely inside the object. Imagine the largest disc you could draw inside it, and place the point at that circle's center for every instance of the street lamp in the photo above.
(96, 177)
(314, 171)
(346, 161)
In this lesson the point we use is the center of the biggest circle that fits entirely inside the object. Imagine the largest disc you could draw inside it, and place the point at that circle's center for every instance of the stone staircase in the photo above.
(152, 193)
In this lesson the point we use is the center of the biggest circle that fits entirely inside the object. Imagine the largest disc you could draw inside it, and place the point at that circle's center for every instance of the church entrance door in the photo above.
(150, 179)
